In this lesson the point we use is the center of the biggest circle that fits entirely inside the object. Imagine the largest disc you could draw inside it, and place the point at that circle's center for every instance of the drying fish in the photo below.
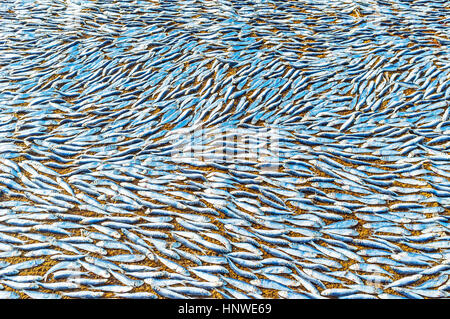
(197, 149)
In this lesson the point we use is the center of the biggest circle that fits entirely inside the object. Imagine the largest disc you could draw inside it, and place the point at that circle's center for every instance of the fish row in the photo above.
(227, 149)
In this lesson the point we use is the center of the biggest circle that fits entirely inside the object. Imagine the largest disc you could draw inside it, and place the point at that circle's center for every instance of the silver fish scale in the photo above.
(226, 149)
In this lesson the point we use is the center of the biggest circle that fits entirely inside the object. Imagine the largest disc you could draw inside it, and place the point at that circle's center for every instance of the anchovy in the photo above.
(298, 150)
